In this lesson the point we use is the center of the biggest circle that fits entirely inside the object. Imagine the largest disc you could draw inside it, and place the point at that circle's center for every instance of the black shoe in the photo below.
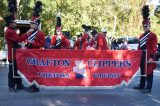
(146, 91)
(12, 90)
(33, 88)
(138, 87)
(20, 87)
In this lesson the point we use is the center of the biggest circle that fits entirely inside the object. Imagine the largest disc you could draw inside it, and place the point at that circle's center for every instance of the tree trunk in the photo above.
(115, 21)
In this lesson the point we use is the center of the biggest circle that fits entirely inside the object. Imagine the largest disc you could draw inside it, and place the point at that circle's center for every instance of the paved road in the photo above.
(125, 96)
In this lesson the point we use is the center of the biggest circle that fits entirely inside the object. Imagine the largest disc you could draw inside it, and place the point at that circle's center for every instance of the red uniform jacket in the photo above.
(78, 44)
(85, 37)
(65, 44)
(85, 45)
(90, 43)
(151, 47)
(12, 40)
(101, 42)
(39, 41)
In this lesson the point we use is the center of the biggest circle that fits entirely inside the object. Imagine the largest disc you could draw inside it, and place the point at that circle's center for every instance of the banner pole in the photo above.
(14, 76)
(157, 62)
(146, 63)
(12, 63)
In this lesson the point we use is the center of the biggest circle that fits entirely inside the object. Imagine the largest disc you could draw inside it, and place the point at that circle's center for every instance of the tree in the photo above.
(120, 17)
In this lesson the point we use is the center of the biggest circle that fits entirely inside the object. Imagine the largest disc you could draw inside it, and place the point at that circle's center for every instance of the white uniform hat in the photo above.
(104, 30)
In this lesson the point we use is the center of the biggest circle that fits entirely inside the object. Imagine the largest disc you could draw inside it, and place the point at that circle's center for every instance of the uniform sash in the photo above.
(33, 36)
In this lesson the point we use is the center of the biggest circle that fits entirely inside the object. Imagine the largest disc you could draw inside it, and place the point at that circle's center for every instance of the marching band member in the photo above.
(12, 40)
(100, 41)
(36, 40)
(104, 33)
(78, 42)
(86, 38)
(86, 33)
(147, 42)
(37, 37)
(59, 41)
(86, 42)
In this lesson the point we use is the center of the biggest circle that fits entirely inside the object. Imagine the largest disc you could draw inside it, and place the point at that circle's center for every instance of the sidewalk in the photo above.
(125, 96)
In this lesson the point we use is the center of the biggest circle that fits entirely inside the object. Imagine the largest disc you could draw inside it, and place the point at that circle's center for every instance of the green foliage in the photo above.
(3, 12)
(25, 9)
(120, 17)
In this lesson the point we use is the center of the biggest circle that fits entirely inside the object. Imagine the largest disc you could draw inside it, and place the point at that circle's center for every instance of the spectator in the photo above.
(124, 45)
(48, 42)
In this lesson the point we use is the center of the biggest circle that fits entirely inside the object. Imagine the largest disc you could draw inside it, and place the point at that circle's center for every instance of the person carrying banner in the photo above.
(12, 40)
(147, 43)
(59, 41)
(36, 40)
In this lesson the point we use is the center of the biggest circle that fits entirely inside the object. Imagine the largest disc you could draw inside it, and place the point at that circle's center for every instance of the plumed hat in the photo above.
(58, 22)
(9, 19)
(36, 13)
(94, 32)
(58, 29)
(35, 20)
(86, 28)
(12, 6)
(104, 30)
(145, 14)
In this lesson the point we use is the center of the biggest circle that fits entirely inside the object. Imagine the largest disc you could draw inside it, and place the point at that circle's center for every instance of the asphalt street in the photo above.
(124, 96)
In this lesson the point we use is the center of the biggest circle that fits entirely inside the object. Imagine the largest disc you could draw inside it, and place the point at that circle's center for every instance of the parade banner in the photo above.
(78, 67)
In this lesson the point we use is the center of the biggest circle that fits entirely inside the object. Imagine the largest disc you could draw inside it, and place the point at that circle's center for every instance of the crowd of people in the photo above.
(34, 38)
(88, 40)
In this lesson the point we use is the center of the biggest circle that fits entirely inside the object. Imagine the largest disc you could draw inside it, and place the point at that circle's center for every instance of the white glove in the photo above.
(58, 14)
(58, 37)
(30, 31)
